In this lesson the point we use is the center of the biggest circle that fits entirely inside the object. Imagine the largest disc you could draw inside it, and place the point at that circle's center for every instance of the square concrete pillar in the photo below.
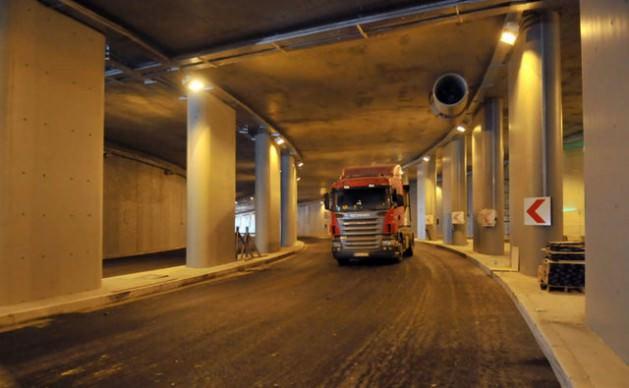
(51, 153)
(211, 181)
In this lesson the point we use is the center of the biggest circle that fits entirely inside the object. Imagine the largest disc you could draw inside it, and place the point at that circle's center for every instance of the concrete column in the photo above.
(52, 100)
(488, 178)
(267, 194)
(535, 135)
(289, 200)
(211, 181)
(604, 37)
(454, 191)
(426, 202)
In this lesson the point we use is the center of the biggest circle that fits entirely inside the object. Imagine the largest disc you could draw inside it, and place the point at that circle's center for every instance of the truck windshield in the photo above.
(362, 198)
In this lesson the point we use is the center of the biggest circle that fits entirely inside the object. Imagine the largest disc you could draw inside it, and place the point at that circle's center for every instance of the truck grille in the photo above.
(361, 233)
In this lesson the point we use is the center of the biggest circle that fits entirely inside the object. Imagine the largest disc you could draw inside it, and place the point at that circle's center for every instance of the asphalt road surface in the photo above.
(434, 320)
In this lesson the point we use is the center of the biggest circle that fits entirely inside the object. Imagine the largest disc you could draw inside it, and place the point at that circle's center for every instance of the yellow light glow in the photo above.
(460, 128)
(196, 85)
(508, 37)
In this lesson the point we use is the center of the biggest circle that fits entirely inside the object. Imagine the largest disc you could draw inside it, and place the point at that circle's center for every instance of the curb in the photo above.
(98, 301)
(541, 339)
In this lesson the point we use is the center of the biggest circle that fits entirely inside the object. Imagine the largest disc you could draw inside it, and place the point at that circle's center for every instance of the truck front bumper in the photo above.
(387, 248)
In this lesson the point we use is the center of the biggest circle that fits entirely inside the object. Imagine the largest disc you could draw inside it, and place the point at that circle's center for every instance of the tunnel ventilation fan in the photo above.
(449, 95)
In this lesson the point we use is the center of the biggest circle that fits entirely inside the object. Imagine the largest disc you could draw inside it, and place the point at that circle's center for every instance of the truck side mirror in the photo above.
(326, 201)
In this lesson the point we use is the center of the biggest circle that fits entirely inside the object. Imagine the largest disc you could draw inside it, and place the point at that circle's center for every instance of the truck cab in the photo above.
(370, 214)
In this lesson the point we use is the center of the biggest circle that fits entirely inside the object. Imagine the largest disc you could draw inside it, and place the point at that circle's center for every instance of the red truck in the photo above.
(370, 214)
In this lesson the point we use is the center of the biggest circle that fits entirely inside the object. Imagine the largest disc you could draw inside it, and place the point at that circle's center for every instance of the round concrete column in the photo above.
(289, 200)
(211, 181)
(454, 192)
(267, 200)
(426, 206)
(535, 135)
(488, 180)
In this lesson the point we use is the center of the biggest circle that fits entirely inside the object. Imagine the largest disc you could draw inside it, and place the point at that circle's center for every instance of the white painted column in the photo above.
(454, 191)
(488, 178)
(289, 200)
(211, 181)
(535, 135)
(52, 102)
(267, 201)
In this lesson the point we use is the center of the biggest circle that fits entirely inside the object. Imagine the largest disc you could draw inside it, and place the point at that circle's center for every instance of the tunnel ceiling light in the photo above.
(196, 85)
(279, 141)
(426, 158)
(298, 179)
(300, 164)
(509, 33)
(460, 128)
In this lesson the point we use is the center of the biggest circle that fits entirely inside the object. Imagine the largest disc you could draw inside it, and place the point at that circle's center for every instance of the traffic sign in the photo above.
(537, 211)
(458, 218)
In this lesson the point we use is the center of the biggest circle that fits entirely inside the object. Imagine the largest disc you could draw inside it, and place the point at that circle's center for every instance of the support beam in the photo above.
(211, 181)
(488, 179)
(51, 153)
(289, 200)
(535, 135)
(426, 204)
(267, 198)
(454, 192)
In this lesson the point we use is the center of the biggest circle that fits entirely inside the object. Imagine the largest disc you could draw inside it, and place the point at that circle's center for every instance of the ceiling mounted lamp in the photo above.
(426, 158)
(196, 84)
(279, 140)
(509, 33)
(298, 179)
(460, 128)
(300, 164)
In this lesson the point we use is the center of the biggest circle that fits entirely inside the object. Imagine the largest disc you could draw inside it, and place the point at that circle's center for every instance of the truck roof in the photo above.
(383, 171)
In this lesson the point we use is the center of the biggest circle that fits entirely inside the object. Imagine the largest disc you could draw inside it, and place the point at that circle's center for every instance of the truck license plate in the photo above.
(361, 254)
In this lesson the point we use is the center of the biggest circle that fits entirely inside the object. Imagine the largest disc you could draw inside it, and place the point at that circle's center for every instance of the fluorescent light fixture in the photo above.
(251, 198)
(508, 37)
(426, 158)
(509, 33)
(298, 179)
(300, 164)
(460, 128)
(279, 141)
(196, 85)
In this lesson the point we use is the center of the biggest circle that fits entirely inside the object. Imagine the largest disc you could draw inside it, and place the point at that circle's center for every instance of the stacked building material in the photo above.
(564, 266)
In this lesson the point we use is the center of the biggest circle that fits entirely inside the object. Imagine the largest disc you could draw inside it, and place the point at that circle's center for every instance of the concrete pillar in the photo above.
(488, 179)
(454, 195)
(535, 135)
(289, 200)
(267, 194)
(51, 153)
(604, 37)
(211, 181)
(426, 202)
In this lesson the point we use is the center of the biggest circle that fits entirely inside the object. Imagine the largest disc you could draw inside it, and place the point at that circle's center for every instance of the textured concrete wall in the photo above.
(144, 208)
(51, 153)
(605, 55)
(312, 220)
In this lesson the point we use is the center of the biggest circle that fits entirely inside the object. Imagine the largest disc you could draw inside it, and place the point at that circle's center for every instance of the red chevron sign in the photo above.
(537, 211)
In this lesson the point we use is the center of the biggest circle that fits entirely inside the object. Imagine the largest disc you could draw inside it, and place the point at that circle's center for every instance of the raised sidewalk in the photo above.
(129, 287)
(578, 356)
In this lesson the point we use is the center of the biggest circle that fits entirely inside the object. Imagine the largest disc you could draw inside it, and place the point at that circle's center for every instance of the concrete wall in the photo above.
(573, 194)
(605, 55)
(144, 207)
(312, 220)
(51, 153)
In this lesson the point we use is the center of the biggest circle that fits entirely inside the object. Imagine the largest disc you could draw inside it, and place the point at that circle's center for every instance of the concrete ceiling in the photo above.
(355, 102)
